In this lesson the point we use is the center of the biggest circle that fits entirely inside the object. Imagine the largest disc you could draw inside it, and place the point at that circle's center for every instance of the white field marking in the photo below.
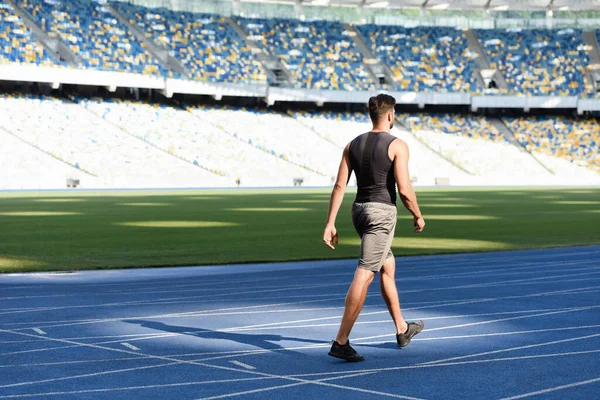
(130, 346)
(535, 267)
(46, 364)
(241, 364)
(480, 300)
(487, 334)
(529, 346)
(320, 382)
(460, 261)
(177, 361)
(355, 373)
(39, 331)
(176, 300)
(104, 390)
(172, 315)
(454, 261)
(125, 293)
(553, 389)
(567, 310)
(160, 301)
(387, 321)
(489, 284)
(560, 292)
(359, 341)
(490, 360)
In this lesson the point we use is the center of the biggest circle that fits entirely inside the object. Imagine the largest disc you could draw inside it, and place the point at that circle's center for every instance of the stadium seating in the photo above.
(17, 44)
(206, 45)
(93, 34)
(277, 134)
(425, 58)
(475, 145)
(341, 127)
(23, 166)
(318, 54)
(573, 139)
(538, 61)
(200, 142)
(471, 126)
(73, 135)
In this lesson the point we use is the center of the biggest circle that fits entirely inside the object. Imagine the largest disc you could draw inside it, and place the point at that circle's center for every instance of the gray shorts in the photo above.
(375, 223)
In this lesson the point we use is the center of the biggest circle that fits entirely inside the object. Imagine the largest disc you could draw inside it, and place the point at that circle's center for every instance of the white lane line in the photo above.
(566, 310)
(103, 390)
(553, 389)
(130, 346)
(39, 331)
(174, 361)
(451, 364)
(529, 346)
(300, 348)
(477, 262)
(241, 364)
(320, 382)
(560, 292)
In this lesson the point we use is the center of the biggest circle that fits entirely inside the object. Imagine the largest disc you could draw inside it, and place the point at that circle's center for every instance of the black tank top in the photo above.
(373, 168)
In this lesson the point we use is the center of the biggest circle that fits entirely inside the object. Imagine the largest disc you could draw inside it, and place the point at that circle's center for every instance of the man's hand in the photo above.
(419, 223)
(330, 236)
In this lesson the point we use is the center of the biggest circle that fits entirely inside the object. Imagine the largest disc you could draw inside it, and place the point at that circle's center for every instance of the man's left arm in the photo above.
(330, 236)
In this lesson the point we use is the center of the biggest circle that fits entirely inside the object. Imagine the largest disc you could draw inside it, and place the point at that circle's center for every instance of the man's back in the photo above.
(370, 161)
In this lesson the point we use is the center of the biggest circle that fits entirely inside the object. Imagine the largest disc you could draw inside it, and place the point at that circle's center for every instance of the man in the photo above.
(380, 161)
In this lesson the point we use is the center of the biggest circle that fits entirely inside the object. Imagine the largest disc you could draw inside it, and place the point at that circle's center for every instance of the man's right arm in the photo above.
(399, 149)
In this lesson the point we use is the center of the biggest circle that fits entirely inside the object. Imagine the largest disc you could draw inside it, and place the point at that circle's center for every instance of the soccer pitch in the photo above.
(45, 231)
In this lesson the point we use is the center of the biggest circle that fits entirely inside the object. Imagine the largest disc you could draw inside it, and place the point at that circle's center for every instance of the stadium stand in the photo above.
(200, 142)
(318, 54)
(341, 127)
(425, 58)
(23, 166)
(276, 134)
(206, 45)
(475, 144)
(94, 34)
(69, 133)
(538, 61)
(17, 44)
(574, 139)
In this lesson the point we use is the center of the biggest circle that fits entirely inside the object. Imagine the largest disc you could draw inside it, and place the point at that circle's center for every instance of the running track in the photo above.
(497, 325)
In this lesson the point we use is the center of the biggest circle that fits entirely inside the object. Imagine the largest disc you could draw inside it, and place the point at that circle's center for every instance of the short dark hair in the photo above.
(380, 105)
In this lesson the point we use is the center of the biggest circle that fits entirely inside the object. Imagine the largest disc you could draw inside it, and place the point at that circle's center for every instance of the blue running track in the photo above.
(514, 324)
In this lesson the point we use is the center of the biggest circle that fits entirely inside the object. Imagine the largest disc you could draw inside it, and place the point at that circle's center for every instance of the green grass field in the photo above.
(88, 230)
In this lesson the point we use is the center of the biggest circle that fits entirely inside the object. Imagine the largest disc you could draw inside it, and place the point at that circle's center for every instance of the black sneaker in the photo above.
(414, 328)
(345, 352)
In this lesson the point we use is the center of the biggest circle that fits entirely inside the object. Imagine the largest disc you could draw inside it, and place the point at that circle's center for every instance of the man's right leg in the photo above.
(387, 283)
(355, 299)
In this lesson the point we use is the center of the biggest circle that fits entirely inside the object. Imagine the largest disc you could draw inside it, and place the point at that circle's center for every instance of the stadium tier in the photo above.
(119, 143)
(198, 139)
(425, 58)
(17, 44)
(94, 35)
(206, 45)
(539, 61)
(318, 54)
(574, 139)
(474, 144)
(98, 153)
(276, 134)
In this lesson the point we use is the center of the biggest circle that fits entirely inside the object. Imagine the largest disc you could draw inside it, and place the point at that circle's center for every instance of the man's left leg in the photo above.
(355, 299)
